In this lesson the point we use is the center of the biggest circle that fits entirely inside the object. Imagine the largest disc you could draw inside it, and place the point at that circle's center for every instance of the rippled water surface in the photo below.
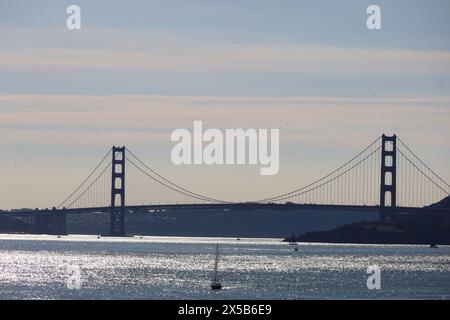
(36, 267)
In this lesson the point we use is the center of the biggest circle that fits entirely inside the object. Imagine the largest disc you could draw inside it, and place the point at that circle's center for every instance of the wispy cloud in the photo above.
(235, 58)
(162, 50)
(326, 121)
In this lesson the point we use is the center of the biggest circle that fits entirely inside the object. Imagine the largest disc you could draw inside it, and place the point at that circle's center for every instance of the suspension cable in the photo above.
(90, 185)
(174, 184)
(324, 177)
(426, 166)
(338, 176)
(423, 173)
(172, 188)
(107, 154)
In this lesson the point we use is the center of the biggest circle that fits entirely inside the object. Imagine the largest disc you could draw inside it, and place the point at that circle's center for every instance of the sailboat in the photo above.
(215, 284)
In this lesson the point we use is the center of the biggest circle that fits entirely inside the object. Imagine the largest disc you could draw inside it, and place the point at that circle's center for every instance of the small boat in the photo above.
(434, 246)
(296, 249)
(293, 243)
(215, 284)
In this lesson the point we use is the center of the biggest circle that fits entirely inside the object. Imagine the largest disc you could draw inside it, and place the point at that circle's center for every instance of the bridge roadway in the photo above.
(230, 206)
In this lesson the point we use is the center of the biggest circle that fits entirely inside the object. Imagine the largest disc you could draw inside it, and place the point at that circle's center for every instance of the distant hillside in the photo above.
(8, 224)
(444, 203)
(375, 232)
(219, 223)
(405, 230)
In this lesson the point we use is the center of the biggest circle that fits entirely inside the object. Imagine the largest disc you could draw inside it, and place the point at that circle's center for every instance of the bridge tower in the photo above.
(388, 186)
(118, 192)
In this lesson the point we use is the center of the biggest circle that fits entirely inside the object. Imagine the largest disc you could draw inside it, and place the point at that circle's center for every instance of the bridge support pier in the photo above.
(118, 192)
(388, 186)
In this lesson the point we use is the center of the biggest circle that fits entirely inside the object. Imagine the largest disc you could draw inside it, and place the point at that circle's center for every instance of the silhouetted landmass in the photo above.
(379, 233)
(8, 224)
(404, 230)
(218, 223)
(444, 203)
(344, 225)
(209, 222)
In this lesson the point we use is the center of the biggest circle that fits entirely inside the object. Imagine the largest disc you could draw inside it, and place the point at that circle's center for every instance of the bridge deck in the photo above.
(230, 206)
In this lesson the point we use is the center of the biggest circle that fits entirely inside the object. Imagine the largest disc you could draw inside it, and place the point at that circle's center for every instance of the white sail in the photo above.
(216, 264)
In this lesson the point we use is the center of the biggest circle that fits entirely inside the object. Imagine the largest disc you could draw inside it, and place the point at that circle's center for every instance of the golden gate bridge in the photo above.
(386, 176)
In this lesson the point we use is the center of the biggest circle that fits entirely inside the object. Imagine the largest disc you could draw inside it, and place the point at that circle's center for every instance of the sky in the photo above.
(137, 70)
